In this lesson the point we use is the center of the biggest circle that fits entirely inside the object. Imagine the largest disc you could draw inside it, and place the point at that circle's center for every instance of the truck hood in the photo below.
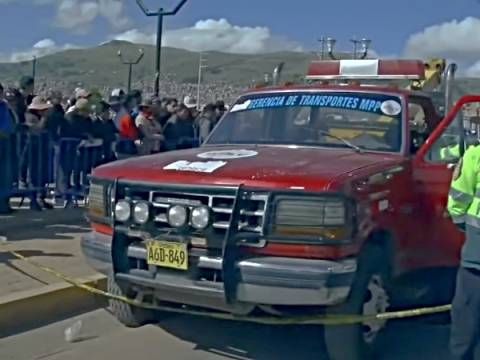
(282, 167)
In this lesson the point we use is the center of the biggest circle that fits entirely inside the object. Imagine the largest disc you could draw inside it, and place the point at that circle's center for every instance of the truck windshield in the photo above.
(367, 121)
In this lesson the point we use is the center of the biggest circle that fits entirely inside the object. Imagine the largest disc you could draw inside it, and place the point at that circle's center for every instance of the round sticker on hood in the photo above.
(228, 154)
(391, 107)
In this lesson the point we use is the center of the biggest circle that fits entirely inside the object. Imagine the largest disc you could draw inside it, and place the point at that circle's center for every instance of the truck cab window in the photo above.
(464, 128)
(419, 125)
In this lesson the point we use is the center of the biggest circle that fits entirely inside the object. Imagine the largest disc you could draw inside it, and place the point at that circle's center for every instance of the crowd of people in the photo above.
(142, 125)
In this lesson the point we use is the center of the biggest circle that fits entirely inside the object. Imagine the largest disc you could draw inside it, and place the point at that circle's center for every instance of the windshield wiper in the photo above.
(346, 142)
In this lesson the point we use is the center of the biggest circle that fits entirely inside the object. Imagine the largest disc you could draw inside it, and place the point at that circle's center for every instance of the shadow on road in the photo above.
(7, 258)
(239, 341)
(404, 340)
(50, 232)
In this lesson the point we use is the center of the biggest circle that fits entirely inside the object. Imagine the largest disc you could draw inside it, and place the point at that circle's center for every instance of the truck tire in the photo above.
(128, 315)
(368, 296)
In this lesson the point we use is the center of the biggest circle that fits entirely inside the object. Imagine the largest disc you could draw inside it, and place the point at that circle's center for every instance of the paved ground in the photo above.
(190, 338)
(51, 238)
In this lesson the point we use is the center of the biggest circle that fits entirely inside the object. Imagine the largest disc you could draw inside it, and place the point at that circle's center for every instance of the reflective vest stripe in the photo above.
(458, 219)
(458, 195)
(472, 221)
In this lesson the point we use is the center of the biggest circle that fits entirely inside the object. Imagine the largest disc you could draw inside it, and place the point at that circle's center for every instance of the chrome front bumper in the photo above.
(263, 280)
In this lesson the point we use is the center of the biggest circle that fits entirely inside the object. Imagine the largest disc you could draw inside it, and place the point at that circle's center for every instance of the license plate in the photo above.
(167, 254)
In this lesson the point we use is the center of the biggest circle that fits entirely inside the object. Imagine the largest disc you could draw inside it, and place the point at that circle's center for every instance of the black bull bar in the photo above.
(230, 249)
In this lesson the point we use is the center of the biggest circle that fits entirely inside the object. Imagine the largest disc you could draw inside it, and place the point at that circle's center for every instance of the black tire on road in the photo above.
(128, 315)
(347, 342)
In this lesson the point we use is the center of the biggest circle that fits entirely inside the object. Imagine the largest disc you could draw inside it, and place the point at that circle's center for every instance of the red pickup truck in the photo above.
(304, 199)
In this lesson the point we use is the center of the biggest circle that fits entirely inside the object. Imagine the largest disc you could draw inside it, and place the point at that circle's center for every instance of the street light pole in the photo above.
(34, 68)
(322, 42)
(159, 14)
(355, 45)
(159, 52)
(201, 66)
(130, 66)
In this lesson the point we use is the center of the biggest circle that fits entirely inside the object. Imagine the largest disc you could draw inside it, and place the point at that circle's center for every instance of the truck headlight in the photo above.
(141, 212)
(177, 216)
(317, 217)
(200, 217)
(122, 210)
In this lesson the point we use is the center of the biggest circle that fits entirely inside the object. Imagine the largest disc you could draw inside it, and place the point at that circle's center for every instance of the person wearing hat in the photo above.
(180, 130)
(192, 104)
(118, 109)
(220, 109)
(13, 96)
(38, 149)
(136, 96)
(55, 117)
(125, 124)
(78, 123)
(206, 121)
(104, 128)
(35, 117)
(78, 126)
(150, 132)
(127, 128)
(27, 88)
(79, 94)
(165, 110)
(118, 93)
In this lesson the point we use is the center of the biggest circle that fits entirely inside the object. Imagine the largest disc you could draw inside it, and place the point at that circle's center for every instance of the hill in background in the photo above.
(100, 67)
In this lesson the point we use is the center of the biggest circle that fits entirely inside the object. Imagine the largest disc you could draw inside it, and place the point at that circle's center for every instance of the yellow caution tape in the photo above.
(342, 319)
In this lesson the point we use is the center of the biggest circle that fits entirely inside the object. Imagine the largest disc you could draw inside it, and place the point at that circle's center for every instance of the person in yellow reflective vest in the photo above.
(464, 209)
(450, 152)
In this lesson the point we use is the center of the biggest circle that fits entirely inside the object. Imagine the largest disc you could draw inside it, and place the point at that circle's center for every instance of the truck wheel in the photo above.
(368, 296)
(128, 315)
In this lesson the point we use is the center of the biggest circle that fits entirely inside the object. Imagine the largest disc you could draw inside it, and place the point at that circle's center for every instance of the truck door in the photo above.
(432, 169)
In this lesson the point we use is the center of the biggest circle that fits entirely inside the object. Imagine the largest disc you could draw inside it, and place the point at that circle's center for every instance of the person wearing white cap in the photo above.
(118, 93)
(192, 104)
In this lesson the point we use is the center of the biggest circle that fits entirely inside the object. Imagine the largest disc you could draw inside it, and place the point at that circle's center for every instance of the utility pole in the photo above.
(130, 66)
(323, 42)
(201, 65)
(159, 14)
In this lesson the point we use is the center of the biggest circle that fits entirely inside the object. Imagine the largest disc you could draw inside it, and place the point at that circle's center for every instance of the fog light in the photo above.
(141, 212)
(200, 217)
(122, 211)
(177, 216)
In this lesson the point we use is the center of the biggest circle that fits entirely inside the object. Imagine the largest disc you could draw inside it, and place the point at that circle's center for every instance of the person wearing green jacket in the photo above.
(464, 209)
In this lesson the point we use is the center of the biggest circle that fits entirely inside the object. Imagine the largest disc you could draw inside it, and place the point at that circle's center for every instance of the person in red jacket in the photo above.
(123, 120)
(128, 130)
(126, 125)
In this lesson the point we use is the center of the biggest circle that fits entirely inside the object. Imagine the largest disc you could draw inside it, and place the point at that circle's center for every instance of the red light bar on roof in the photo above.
(367, 69)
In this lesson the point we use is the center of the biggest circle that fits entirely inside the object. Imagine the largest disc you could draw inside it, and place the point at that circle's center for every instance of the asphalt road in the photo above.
(191, 338)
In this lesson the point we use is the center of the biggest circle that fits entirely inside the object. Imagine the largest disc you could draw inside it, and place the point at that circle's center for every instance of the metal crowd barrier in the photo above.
(33, 164)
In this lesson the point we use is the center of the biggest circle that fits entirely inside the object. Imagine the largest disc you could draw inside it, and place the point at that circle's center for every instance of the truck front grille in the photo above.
(251, 218)
(219, 200)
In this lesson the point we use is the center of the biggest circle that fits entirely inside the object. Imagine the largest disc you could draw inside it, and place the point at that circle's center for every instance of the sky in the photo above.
(408, 28)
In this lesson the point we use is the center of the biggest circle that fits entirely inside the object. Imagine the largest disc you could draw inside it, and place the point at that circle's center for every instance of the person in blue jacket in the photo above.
(6, 130)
